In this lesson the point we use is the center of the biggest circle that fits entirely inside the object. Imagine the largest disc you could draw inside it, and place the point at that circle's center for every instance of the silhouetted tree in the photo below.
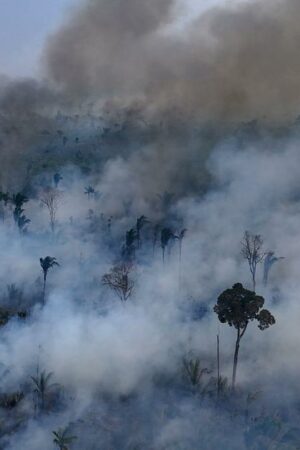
(193, 370)
(166, 235)
(89, 191)
(269, 261)
(155, 237)
(50, 198)
(47, 263)
(57, 178)
(237, 307)
(119, 281)
(18, 200)
(128, 250)
(252, 251)
(5, 199)
(180, 239)
(140, 223)
(62, 438)
(42, 387)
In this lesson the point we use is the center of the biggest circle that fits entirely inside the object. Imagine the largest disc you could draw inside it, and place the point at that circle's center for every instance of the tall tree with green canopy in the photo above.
(237, 307)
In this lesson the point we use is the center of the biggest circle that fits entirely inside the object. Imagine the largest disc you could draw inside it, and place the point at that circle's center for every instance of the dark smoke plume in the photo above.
(238, 63)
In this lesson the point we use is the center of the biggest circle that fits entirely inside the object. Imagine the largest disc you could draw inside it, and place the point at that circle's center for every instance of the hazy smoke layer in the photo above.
(138, 117)
(230, 64)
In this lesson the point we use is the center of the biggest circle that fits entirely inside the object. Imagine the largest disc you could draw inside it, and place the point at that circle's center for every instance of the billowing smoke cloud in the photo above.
(237, 63)
(139, 116)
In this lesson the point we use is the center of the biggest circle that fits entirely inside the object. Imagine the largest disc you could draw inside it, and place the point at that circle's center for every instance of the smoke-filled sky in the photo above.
(182, 117)
(25, 25)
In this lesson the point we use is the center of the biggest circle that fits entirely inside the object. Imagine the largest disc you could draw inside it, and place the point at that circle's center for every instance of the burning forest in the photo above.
(149, 230)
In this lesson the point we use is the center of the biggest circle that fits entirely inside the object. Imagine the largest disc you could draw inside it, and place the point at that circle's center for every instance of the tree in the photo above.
(155, 237)
(89, 190)
(47, 263)
(50, 198)
(252, 251)
(42, 387)
(140, 223)
(62, 439)
(180, 239)
(57, 178)
(193, 370)
(128, 250)
(270, 259)
(5, 198)
(237, 307)
(20, 219)
(119, 281)
(165, 236)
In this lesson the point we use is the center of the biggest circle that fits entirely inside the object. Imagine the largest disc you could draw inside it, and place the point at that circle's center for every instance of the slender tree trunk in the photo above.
(44, 288)
(163, 255)
(253, 273)
(235, 358)
(138, 238)
(218, 366)
(179, 265)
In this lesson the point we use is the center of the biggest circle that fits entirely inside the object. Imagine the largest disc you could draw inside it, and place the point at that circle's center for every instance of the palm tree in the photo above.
(62, 439)
(42, 386)
(166, 235)
(180, 239)
(46, 264)
(140, 222)
(89, 190)
(128, 250)
(155, 237)
(20, 219)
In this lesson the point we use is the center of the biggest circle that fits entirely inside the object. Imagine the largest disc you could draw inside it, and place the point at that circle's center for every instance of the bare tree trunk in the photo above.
(253, 280)
(44, 288)
(235, 359)
(218, 366)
